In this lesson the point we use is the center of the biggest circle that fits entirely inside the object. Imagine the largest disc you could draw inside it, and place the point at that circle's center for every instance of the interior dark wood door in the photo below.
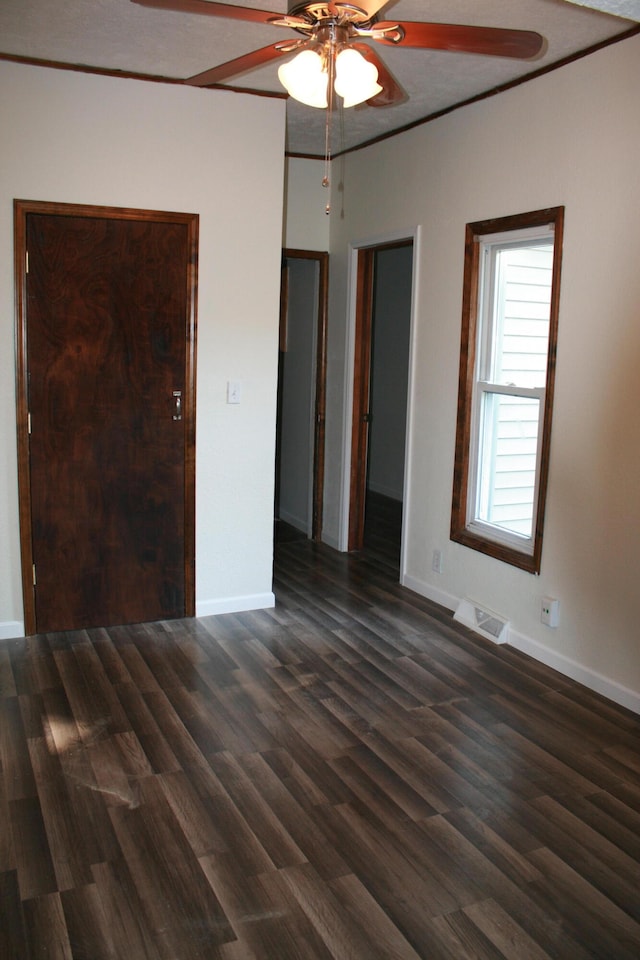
(108, 342)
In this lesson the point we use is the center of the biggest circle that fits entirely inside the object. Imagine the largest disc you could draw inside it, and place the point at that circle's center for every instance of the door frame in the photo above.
(320, 400)
(362, 255)
(360, 414)
(22, 209)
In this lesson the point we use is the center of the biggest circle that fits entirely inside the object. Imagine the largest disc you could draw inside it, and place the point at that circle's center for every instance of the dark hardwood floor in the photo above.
(348, 776)
(382, 530)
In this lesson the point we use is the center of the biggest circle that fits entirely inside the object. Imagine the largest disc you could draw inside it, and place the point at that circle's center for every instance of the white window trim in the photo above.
(482, 527)
(490, 244)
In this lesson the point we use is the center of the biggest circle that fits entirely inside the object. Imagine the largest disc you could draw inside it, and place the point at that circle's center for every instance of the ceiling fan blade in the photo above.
(392, 92)
(257, 58)
(491, 41)
(229, 10)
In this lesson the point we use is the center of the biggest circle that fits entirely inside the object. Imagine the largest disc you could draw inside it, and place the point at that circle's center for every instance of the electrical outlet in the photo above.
(233, 391)
(550, 611)
(436, 561)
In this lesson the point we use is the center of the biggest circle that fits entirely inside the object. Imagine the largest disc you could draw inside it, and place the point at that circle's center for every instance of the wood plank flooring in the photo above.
(382, 529)
(348, 776)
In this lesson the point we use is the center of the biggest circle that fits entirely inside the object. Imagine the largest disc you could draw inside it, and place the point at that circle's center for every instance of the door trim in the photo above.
(22, 208)
(361, 394)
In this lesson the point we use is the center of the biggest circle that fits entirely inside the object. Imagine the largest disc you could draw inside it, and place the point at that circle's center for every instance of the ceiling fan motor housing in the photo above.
(318, 11)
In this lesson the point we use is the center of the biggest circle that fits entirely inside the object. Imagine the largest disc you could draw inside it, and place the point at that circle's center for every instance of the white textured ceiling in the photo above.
(119, 35)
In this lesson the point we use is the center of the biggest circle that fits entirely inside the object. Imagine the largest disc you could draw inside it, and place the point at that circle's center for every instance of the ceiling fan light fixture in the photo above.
(304, 79)
(356, 79)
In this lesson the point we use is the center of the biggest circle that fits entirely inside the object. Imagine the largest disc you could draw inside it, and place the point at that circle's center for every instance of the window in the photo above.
(507, 365)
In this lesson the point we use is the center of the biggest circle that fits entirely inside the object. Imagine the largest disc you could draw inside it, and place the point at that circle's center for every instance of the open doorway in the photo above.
(381, 376)
(301, 395)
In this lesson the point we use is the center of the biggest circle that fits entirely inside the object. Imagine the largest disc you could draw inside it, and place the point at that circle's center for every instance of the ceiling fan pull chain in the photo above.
(326, 180)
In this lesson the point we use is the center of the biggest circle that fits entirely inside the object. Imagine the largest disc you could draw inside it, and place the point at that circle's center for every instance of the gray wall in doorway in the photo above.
(390, 370)
(298, 396)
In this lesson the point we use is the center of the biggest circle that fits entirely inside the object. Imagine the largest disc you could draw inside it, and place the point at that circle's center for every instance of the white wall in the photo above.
(306, 225)
(570, 137)
(76, 138)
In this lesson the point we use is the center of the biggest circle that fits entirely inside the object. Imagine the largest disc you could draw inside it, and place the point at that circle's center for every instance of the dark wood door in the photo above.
(108, 344)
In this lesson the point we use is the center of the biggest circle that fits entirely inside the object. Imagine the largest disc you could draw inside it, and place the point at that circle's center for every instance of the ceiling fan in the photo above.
(332, 35)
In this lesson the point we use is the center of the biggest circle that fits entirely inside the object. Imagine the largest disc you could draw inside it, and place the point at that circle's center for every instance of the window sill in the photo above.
(499, 551)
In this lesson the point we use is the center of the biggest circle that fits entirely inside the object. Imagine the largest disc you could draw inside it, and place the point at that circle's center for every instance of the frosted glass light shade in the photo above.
(304, 79)
(356, 78)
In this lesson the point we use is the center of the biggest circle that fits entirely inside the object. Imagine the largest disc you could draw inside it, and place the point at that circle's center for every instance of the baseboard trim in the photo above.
(254, 601)
(595, 681)
(11, 630)
(298, 522)
(430, 592)
(391, 494)
(331, 541)
(14, 629)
